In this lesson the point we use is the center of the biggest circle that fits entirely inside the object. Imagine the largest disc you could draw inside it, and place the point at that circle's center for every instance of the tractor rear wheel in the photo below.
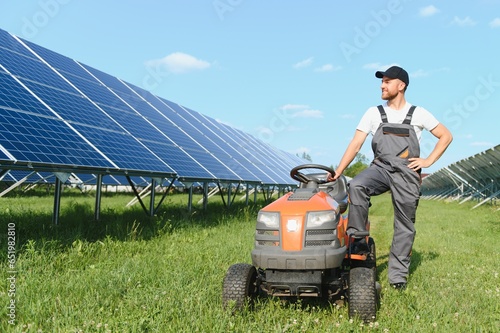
(362, 293)
(239, 286)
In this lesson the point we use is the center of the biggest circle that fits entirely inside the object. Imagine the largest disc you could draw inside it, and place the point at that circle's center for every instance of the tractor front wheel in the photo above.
(239, 286)
(362, 293)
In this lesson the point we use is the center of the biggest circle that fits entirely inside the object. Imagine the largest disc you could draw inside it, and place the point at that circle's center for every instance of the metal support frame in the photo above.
(205, 196)
(57, 201)
(98, 194)
(152, 209)
(13, 186)
(230, 196)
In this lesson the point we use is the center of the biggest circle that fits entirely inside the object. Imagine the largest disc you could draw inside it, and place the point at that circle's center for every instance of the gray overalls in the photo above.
(392, 145)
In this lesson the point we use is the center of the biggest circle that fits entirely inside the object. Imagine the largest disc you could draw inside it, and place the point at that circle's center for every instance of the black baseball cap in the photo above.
(395, 72)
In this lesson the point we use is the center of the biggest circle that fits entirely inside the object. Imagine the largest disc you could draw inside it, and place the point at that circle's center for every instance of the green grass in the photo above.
(131, 273)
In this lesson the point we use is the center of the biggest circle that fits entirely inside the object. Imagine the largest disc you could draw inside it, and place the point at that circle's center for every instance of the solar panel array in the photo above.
(57, 114)
(477, 177)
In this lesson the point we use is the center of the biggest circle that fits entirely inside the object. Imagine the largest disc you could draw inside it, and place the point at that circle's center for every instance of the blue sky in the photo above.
(296, 74)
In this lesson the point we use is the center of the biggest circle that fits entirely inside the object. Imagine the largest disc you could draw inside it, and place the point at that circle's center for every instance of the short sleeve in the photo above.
(370, 121)
(426, 119)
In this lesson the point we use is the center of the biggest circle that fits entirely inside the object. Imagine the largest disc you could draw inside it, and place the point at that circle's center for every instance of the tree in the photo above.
(360, 163)
(305, 156)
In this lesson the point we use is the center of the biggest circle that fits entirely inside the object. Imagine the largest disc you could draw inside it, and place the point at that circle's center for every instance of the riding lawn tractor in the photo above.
(302, 250)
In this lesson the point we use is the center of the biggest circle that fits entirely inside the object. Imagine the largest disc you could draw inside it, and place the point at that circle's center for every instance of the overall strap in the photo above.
(383, 115)
(407, 120)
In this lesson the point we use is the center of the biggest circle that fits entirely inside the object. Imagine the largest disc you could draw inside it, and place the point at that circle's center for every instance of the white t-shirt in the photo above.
(422, 119)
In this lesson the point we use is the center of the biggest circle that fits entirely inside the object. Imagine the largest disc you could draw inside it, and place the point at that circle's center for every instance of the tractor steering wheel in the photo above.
(303, 178)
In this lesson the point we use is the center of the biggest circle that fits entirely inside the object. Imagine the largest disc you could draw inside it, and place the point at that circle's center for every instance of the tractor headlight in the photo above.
(316, 219)
(270, 219)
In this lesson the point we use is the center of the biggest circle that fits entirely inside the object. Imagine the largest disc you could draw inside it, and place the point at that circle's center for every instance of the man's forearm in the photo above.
(439, 149)
(347, 158)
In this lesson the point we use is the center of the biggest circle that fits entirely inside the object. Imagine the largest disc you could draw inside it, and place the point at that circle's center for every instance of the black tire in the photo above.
(362, 294)
(239, 286)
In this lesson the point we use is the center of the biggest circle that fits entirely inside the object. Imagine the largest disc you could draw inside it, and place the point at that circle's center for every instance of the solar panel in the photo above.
(477, 176)
(15, 97)
(32, 138)
(56, 111)
(237, 149)
(128, 111)
(157, 128)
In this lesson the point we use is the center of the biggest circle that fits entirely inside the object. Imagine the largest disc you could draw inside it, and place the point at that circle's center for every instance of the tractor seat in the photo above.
(338, 191)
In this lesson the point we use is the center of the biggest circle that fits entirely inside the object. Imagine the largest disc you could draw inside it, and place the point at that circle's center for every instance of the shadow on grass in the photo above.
(125, 224)
(417, 257)
(305, 304)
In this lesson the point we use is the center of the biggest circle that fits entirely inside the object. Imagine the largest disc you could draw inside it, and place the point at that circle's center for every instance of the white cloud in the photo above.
(304, 63)
(495, 23)
(301, 111)
(327, 68)
(308, 113)
(428, 11)
(465, 22)
(178, 63)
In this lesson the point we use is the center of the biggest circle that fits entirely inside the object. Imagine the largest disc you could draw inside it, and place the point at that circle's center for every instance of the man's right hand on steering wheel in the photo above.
(330, 178)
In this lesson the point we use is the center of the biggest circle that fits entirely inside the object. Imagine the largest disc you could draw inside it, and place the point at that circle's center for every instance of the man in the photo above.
(396, 128)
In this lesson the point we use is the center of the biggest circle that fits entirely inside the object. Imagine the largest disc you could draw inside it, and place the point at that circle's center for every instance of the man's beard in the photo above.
(386, 96)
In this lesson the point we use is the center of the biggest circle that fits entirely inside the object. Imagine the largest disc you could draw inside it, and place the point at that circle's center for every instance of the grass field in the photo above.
(130, 273)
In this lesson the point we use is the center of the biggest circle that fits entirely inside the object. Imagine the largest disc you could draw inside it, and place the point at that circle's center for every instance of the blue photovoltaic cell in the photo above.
(108, 80)
(210, 128)
(211, 142)
(37, 177)
(171, 112)
(3, 156)
(16, 97)
(168, 131)
(125, 151)
(32, 69)
(122, 180)
(180, 160)
(94, 91)
(32, 138)
(249, 151)
(208, 161)
(187, 136)
(236, 159)
(87, 178)
(135, 124)
(256, 154)
(73, 107)
(7, 177)
(263, 152)
(10, 43)
(62, 63)
(15, 175)
(148, 132)
(111, 180)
